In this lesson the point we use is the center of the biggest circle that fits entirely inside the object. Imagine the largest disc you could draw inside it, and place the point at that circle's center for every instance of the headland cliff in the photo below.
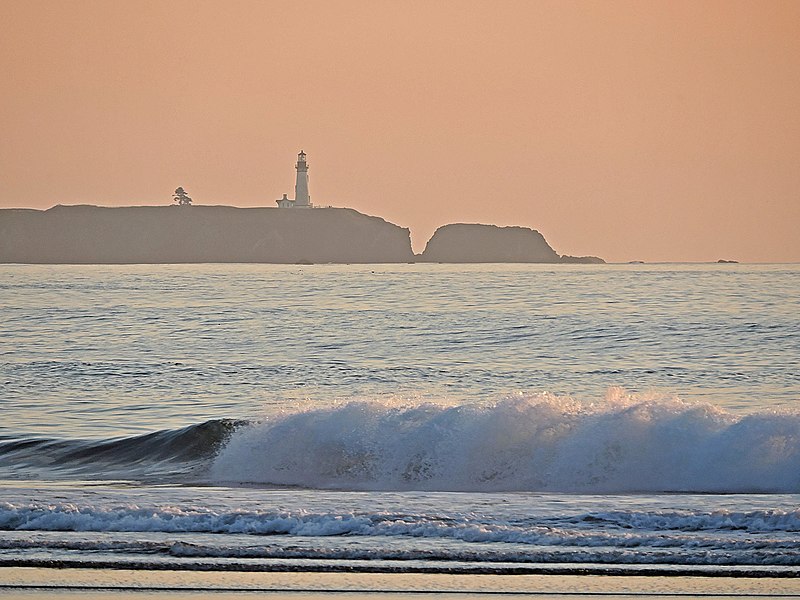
(86, 234)
(198, 234)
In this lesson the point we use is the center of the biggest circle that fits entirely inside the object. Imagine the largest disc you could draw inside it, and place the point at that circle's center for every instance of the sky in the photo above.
(631, 130)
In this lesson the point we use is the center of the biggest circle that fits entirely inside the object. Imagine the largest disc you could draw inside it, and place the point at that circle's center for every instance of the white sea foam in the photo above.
(626, 443)
(627, 528)
(120, 530)
(708, 552)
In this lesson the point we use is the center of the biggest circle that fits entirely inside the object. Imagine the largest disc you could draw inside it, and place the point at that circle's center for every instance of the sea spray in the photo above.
(626, 443)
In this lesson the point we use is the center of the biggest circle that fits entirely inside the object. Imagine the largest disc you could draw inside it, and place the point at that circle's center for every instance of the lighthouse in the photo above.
(301, 197)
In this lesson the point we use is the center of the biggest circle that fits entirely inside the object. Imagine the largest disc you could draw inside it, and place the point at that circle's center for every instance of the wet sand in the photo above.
(36, 583)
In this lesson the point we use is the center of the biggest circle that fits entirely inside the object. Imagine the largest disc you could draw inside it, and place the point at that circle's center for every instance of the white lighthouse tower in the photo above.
(301, 197)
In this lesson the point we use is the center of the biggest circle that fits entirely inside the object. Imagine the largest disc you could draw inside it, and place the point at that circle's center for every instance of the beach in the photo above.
(49, 583)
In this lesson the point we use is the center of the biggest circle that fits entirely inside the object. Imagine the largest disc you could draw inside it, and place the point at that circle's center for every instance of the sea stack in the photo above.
(477, 243)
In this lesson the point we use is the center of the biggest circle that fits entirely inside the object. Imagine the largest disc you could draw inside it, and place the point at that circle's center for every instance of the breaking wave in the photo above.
(526, 443)
(541, 443)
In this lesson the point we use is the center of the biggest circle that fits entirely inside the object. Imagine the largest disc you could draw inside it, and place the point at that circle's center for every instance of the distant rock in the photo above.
(198, 234)
(473, 243)
(583, 260)
(476, 243)
(727, 262)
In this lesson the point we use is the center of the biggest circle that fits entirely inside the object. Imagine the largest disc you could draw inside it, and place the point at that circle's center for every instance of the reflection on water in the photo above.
(94, 351)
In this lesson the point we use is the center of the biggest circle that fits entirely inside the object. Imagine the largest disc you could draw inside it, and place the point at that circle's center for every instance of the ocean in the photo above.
(420, 418)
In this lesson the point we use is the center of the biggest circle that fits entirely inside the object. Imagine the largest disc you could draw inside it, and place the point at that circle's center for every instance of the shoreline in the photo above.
(26, 581)
(384, 568)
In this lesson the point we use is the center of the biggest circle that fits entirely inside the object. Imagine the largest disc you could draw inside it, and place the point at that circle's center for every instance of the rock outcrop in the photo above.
(474, 243)
(225, 234)
(582, 260)
(198, 234)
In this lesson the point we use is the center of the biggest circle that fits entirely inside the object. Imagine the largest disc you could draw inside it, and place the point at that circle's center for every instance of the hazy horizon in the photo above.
(661, 131)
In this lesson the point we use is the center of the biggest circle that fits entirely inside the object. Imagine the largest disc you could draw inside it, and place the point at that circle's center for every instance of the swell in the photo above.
(624, 444)
(170, 451)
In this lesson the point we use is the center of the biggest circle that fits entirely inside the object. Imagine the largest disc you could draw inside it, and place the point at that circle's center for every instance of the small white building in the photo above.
(301, 197)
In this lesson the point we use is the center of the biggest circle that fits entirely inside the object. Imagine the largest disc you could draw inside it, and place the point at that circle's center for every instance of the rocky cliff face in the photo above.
(225, 234)
(196, 234)
(463, 243)
(473, 243)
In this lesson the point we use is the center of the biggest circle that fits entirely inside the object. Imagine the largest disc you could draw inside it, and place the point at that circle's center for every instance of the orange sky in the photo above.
(634, 130)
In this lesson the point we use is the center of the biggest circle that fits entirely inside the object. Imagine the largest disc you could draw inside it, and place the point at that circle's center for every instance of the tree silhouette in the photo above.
(181, 197)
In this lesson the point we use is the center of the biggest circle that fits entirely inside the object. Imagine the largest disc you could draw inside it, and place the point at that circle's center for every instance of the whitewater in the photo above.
(541, 443)
(634, 419)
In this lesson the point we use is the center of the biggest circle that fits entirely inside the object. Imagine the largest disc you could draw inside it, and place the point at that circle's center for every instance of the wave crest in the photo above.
(527, 443)
(170, 451)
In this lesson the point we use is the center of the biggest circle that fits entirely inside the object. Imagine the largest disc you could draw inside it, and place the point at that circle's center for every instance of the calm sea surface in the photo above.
(439, 417)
